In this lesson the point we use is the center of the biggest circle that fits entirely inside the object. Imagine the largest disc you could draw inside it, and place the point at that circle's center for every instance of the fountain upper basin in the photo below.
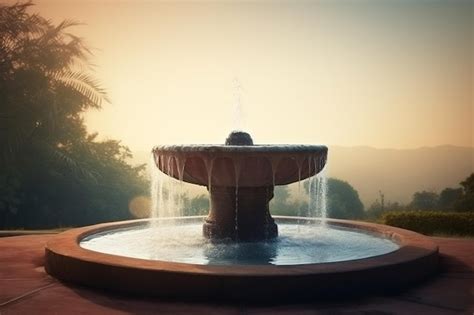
(240, 177)
(240, 165)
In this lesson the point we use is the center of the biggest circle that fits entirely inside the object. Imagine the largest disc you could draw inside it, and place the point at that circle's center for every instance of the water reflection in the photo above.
(251, 253)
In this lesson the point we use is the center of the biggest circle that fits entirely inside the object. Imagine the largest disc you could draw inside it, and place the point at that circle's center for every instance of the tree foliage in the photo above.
(460, 199)
(52, 171)
(343, 201)
(448, 198)
(424, 200)
(377, 209)
(197, 205)
(465, 202)
(282, 204)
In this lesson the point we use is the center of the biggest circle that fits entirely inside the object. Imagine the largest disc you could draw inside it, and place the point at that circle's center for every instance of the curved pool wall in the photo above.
(414, 260)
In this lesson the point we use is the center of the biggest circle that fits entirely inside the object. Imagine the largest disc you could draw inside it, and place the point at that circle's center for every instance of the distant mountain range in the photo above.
(397, 173)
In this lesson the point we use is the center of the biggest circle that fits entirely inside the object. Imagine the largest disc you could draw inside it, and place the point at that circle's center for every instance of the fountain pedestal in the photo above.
(240, 214)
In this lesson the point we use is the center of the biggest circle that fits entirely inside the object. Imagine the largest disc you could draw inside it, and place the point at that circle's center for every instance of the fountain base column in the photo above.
(242, 217)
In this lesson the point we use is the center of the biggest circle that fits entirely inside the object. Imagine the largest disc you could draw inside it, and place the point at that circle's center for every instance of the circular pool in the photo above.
(367, 257)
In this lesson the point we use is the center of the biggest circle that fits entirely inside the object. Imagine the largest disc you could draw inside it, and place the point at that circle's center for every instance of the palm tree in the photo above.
(45, 84)
(52, 171)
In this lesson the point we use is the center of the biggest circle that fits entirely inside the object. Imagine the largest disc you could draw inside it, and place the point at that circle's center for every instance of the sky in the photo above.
(386, 73)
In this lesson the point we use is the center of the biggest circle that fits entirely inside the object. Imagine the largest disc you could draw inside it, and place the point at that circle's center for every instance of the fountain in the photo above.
(240, 178)
(239, 251)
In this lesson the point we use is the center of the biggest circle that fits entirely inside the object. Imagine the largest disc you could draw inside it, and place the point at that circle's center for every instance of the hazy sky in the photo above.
(382, 73)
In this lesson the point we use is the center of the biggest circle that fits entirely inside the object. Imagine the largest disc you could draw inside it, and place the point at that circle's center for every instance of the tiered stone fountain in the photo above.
(240, 177)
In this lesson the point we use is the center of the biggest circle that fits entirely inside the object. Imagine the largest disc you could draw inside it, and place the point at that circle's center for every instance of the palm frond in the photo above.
(84, 84)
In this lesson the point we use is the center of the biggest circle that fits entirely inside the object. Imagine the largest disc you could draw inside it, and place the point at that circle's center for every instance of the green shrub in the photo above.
(432, 222)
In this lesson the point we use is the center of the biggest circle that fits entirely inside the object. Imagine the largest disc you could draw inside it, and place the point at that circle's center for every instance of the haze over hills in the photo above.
(398, 173)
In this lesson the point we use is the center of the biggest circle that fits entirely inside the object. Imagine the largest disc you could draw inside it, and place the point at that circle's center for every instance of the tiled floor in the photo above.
(25, 288)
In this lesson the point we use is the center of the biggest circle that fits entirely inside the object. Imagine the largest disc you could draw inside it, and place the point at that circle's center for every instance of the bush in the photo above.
(432, 222)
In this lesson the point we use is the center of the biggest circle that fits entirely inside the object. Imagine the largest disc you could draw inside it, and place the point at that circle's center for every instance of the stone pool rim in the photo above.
(415, 260)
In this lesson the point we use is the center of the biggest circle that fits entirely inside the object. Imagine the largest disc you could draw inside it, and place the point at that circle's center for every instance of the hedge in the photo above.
(432, 222)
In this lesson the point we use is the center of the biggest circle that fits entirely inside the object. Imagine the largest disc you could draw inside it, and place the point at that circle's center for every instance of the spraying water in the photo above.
(156, 188)
(321, 196)
(238, 115)
(317, 192)
(165, 191)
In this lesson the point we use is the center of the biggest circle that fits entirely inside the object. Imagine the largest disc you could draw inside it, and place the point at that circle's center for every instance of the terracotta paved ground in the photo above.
(25, 288)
